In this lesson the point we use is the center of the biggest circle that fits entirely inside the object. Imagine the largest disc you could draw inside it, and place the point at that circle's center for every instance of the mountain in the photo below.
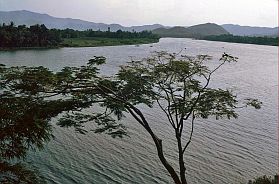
(196, 31)
(30, 18)
(177, 31)
(250, 31)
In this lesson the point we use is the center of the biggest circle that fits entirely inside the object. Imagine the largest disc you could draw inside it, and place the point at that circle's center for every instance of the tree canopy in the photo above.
(33, 36)
(12, 36)
(70, 33)
(178, 84)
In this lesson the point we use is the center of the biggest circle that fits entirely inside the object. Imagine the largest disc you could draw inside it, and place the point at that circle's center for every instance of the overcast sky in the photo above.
(166, 12)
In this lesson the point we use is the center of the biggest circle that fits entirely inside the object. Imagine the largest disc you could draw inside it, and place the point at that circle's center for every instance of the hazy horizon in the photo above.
(168, 13)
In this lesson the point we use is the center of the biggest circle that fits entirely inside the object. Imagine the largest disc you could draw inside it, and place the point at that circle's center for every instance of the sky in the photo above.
(167, 12)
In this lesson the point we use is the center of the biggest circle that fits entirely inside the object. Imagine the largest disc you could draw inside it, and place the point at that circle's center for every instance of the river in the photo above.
(223, 151)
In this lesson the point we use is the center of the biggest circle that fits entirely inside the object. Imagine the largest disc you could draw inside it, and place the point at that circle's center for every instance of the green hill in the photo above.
(28, 18)
(197, 31)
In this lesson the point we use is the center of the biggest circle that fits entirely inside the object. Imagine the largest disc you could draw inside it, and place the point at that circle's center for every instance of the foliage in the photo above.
(94, 42)
(244, 39)
(22, 36)
(178, 84)
(18, 174)
(70, 33)
(39, 36)
(264, 180)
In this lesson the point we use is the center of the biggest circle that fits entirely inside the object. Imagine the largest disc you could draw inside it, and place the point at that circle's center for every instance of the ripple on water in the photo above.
(221, 151)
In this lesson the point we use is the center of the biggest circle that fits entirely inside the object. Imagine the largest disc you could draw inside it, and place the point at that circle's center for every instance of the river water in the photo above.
(223, 151)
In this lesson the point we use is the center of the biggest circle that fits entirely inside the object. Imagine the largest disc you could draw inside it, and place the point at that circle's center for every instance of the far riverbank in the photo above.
(91, 42)
(97, 42)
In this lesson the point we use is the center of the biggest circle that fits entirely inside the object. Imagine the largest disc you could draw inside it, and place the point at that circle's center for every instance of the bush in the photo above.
(264, 180)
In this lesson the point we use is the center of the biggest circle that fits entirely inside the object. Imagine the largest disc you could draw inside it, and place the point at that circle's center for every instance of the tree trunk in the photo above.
(166, 164)
(181, 159)
(158, 143)
(159, 147)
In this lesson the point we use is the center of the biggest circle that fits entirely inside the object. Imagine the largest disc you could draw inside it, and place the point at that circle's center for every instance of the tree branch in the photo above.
(192, 130)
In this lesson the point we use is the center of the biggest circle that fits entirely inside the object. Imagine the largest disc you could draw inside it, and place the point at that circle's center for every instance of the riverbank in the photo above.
(96, 42)
(271, 41)
(26, 48)
(91, 42)
(40, 37)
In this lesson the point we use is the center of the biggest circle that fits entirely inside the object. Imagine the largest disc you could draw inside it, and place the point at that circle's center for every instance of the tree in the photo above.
(18, 174)
(178, 84)
(264, 180)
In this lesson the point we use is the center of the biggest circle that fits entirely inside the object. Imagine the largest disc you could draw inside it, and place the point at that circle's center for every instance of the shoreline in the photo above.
(26, 48)
(85, 42)
(101, 42)
(98, 42)
(239, 42)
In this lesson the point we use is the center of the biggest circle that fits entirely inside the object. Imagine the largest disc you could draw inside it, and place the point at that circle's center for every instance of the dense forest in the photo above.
(70, 33)
(21, 36)
(244, 39)
(33, 36)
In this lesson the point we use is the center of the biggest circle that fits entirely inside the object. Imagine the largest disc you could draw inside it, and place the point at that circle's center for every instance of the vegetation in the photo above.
(22, 36)
(70, 33)
(18, 174)
(265, 180)
(178, 84)
(39, 36)
(90, 38)
(96, 42)
(244, 39)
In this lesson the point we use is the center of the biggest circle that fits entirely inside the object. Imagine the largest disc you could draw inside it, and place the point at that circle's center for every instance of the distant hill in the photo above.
(30, 18)
(196, 31)
(177, 31)
(250, 31)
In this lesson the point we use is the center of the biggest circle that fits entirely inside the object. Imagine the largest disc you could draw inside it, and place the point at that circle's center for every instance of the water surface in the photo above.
(223, 151)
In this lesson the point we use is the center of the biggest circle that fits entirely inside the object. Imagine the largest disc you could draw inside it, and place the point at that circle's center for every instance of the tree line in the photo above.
(264, 40)
(23, 36)
(12, 36)
(70, 33)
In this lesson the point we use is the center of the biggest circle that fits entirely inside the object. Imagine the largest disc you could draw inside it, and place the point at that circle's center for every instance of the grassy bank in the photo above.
(90, 42)
(273, 41)
(95, 42)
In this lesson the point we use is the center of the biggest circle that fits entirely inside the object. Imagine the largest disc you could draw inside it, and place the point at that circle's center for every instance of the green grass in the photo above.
(95, 42)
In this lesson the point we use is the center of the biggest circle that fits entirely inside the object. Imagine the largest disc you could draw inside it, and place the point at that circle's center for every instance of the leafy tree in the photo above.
(178, 84)
(264, 180)
(22, 36)
(18, 174)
